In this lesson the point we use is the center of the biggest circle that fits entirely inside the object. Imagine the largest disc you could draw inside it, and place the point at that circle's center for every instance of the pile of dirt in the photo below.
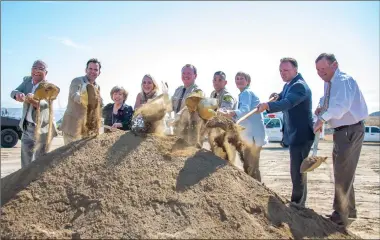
(122, 186)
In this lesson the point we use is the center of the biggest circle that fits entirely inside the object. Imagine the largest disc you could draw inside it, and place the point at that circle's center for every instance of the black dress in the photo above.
(123, 116)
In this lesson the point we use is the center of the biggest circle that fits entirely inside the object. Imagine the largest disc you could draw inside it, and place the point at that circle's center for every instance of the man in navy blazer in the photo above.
(295, 103)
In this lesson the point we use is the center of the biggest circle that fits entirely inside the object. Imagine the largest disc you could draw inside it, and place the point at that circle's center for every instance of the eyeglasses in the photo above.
(39, 68)
(147, 83)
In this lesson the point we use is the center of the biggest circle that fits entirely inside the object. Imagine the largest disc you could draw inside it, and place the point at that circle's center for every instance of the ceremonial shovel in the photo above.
(311, 163)
(255, 110)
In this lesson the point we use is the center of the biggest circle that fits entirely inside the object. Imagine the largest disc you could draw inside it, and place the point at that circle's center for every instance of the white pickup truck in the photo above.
(372, 134)
(273, 123)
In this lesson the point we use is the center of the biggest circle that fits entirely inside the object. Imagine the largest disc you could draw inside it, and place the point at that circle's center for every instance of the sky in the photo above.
(133, 38)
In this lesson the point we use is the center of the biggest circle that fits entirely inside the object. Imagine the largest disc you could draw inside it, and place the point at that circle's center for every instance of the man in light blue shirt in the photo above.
(344, 108)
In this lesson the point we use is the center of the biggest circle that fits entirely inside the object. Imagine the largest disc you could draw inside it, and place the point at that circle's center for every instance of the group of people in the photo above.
(342, 106)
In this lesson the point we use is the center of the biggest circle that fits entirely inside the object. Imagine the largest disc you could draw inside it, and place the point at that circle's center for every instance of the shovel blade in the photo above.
(311, 163)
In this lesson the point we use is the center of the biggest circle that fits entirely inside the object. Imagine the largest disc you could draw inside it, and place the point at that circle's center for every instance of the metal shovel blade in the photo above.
(311, 163)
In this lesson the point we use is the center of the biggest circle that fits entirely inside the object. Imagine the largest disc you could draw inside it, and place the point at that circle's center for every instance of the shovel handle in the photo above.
(316, 141)
(255, 110)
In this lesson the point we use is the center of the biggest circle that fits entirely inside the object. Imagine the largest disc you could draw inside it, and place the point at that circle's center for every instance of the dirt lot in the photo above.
(274, 166)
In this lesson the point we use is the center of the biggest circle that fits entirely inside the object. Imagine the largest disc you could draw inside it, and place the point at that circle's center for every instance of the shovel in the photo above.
(255, 110)
(311, 163)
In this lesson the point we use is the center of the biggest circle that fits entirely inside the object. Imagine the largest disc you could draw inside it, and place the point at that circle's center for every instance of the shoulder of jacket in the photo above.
(109, 105)
(126, 106)
(27, 78)
(78, 79)
(178, 88)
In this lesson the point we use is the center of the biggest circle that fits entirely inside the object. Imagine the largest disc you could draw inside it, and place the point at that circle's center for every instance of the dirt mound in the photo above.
(122, 186)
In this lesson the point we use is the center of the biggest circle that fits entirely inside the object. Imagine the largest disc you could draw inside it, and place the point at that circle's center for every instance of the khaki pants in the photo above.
(347, 147)
(68, 138)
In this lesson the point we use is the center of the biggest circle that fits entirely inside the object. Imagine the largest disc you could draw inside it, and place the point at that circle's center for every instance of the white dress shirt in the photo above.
(29, 113)
(346, 105)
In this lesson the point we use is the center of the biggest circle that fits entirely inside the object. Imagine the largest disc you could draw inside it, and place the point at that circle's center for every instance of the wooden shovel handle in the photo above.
(255, 110)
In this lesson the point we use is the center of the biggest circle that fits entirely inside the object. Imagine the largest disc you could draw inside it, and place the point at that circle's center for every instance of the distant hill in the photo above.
(375, 114)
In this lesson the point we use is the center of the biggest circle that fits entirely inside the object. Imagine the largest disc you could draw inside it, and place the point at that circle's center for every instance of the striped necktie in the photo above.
(327, 98)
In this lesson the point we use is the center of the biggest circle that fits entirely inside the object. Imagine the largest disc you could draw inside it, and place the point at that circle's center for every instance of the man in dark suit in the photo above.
(295, 103)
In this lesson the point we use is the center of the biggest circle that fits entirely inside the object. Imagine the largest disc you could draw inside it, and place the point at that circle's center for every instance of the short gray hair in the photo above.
(245, 75)
(39, 61)
(119, 89)
(190, 66)
(328, 56)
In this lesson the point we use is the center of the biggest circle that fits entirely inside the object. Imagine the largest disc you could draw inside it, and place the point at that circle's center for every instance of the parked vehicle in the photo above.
(274, 128)
(10, 131)
(372, 134)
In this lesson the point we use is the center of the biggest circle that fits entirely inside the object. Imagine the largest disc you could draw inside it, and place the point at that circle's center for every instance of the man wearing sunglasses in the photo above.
(30, 150)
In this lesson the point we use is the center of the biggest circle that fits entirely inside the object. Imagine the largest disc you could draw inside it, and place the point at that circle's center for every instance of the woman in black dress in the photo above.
(118, 115)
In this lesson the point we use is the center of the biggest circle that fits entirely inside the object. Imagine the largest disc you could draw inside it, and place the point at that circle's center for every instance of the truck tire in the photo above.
(9, 138)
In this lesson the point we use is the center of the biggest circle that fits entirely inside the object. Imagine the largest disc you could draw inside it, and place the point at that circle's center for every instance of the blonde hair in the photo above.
(155, 85)
(245, 75)
(119, 89)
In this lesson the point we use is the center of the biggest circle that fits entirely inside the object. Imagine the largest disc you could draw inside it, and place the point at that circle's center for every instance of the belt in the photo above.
(346, 126)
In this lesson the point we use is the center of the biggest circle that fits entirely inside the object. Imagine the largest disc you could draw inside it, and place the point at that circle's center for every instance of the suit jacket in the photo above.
(295, 103)
(124, 116)
(26, 87)
(73, 118)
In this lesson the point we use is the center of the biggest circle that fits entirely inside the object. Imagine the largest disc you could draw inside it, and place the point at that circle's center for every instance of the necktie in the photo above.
(327, 98)
(215, 95)
(180, 100)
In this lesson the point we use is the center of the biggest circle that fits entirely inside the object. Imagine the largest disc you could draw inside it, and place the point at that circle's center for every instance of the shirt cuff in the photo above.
(326, 116)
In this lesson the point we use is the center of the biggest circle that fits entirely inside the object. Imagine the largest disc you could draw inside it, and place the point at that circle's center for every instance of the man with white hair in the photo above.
(344, 108)
(30, 149)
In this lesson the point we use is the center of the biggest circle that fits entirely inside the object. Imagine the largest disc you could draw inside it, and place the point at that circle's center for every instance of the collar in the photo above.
(336, 74)
(192, 85)
(221, 91)
(296, 78)
(247, 87)
(88, 81)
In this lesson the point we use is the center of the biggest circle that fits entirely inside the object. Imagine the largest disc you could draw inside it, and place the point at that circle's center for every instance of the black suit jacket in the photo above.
(295, 103)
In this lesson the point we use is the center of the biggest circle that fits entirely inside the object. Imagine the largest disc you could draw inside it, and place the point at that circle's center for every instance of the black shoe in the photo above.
(353, 214)
(335, 217)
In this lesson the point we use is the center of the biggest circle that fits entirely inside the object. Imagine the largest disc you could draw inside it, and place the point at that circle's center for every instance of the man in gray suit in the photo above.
(73, 119)
(30, 150)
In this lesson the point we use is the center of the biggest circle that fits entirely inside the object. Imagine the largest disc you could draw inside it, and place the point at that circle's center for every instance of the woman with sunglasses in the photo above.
(118, 115)
(149, 90)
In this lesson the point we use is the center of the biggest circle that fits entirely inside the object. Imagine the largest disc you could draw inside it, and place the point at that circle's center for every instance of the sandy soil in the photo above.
(274, 167)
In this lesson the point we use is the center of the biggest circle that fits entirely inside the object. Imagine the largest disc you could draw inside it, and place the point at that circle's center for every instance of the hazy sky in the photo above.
(135, 38)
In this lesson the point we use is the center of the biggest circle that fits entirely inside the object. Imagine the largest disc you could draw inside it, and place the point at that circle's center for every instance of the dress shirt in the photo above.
(346, 105)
